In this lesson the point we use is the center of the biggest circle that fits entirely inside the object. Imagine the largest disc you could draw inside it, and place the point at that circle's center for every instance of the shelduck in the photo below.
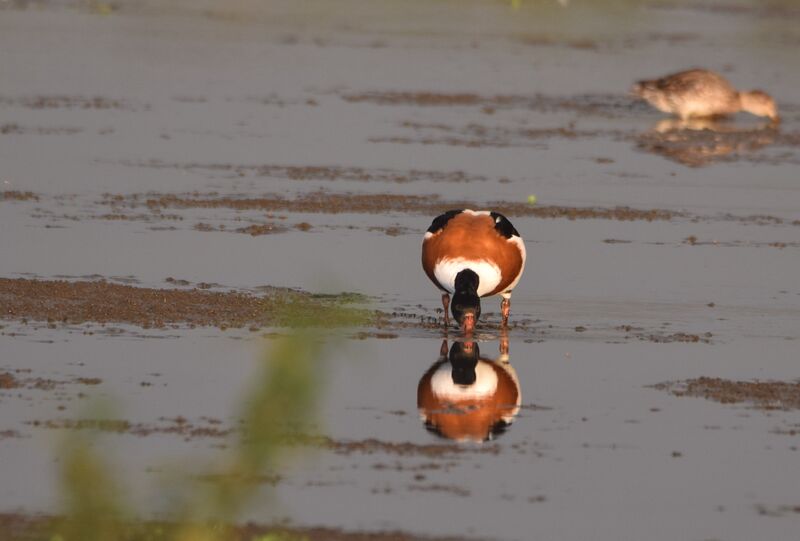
(471, 254)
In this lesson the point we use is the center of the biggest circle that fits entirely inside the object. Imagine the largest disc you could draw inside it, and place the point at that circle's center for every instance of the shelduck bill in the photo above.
(703, 93)
(471, 254)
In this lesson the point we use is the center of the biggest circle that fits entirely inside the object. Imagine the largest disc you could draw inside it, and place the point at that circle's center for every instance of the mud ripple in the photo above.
(16, 129)
(123, 207)
(213, 428)
(71, 102)
(609, 105)
(11, 381)
(175, 426)
(15, 195)
(757, 10)
(317, 172)
(335, 203)
(28, 527)
(764, 395)
(479, 135)
(371, 446)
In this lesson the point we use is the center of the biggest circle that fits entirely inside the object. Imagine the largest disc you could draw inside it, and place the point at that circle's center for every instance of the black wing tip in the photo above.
(504, 226)
(440, 221)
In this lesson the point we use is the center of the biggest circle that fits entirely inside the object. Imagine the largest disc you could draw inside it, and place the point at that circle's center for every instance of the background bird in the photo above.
(703, 93)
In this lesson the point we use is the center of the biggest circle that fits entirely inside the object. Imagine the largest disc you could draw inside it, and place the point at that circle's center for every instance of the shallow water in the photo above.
(471, 102)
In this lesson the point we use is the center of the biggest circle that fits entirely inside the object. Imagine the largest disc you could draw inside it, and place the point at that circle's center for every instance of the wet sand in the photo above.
(94, 306)
(175, 174)
(277, 208)
(75, 302)
(765, 395)
(20, 527)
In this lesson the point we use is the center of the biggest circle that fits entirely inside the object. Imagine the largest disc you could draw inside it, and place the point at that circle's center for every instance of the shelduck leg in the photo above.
(504, 342)
(505, 309)
(443, 349)
(446, 306)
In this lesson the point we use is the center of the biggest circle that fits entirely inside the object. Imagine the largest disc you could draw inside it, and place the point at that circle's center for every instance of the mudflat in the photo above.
(183, 181)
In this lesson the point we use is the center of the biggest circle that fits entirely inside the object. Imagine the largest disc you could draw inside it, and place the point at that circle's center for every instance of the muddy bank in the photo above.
(269, 212)
(609, 105)
(667, 338)
(326, 202)
(213, 428)
(372, 446)
(757, 10)
(16, 129)
(15, 195)
(764, 395)
(25, 527)
(317, 172)
(777, 511)
(57, 302)
(129, 208)
(335, 203)
(9, 380)
(71, 102)
(206, 428)
(694, 241)
(481, 135)
(254, 230)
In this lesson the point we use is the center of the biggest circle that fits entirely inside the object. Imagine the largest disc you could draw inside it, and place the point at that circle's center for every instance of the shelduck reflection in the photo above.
(467, 397)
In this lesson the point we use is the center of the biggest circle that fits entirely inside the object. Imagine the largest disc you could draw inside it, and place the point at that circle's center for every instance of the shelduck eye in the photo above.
(497, 220)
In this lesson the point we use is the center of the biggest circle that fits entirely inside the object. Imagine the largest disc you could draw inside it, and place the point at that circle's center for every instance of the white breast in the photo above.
(485, 384)
(488, 273)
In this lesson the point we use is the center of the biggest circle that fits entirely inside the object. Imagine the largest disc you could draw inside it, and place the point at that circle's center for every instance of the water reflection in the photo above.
(467, 397)
(702, 141)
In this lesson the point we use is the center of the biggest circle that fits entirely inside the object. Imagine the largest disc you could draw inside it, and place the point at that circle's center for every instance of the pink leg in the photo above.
(446, 306)
(505, 309)
(504, 343)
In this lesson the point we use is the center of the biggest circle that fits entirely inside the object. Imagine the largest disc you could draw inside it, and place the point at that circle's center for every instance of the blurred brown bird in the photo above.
(703, 93)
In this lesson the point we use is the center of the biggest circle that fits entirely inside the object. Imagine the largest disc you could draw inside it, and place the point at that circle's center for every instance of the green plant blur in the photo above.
(282, 398)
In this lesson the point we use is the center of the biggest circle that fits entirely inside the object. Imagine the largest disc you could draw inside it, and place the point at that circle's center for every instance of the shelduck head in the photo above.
(463, 359)
(466, 305)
